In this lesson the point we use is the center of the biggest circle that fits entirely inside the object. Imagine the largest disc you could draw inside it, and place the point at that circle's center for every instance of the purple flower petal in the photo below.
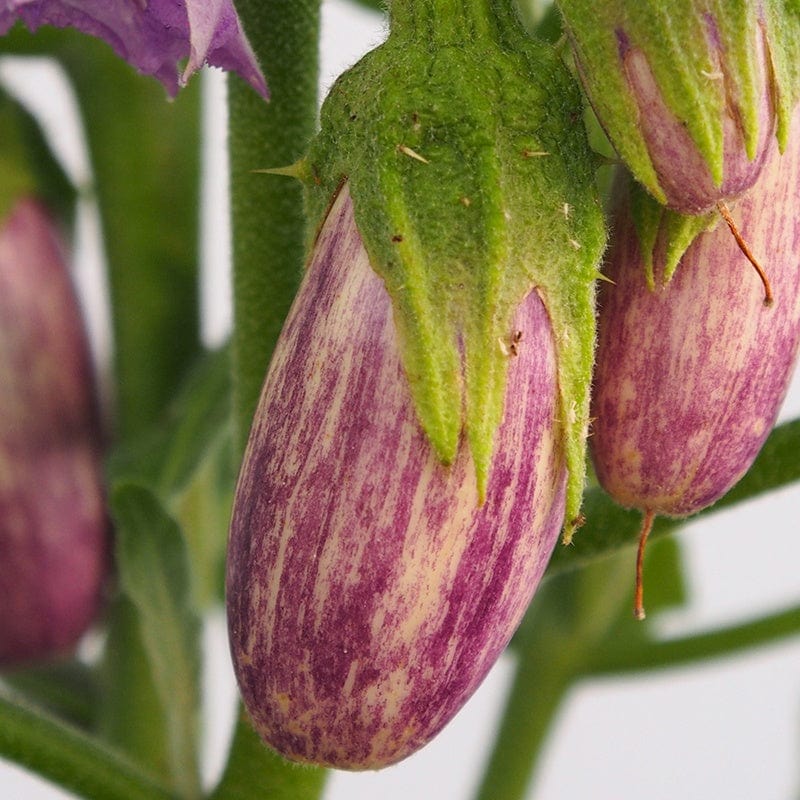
(153, 35)
(368, 591)
(689, 378)
(53, 528)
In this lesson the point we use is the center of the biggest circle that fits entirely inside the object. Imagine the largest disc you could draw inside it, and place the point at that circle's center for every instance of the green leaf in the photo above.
(130, 714)
(68, 757)
(154, 574)
(194, 423)
(68, 690)
(610, 527)
(255, 772)
(186, 460)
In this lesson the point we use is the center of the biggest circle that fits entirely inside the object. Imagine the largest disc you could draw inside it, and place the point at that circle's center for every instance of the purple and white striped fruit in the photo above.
(689, 378)
(691, 93)
(53, 530)
(369, 591)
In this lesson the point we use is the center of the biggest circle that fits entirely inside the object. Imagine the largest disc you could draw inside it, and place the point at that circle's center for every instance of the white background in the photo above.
(726, 729)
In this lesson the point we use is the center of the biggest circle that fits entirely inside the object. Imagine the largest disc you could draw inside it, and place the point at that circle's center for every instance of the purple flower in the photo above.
(690, 377)
(53, 530)
(368, 590)
(153, 35)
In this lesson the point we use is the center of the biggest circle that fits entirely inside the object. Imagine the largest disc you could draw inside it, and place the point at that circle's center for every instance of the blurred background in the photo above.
(727, 728)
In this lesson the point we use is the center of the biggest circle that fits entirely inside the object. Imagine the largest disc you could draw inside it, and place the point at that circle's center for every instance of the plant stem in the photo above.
(567, 621)
(536, 695)
(267, 210)
(445, 21)
(69, 757)
(641, 656)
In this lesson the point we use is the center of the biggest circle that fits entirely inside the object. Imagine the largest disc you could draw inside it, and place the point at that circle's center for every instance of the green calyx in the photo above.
(472, 184)
(27, 166)
(16, 180)
(704, 59)
(664, 235)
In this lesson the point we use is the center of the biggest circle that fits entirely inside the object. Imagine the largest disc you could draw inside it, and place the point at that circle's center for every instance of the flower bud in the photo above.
(689, 378)
(369, 592)
(53, 531)
(690, 93)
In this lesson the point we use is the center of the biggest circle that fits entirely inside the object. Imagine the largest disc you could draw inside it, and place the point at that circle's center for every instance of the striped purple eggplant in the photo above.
(690, 377)
(368, 590)
(53, 530)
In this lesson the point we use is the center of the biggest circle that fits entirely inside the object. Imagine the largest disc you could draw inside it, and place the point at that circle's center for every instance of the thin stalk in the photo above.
(267, 211)
(610, 528)
(69, 757)
(679, 652)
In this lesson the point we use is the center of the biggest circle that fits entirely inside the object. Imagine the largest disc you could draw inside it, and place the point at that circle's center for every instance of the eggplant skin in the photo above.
(368, 591)
(54, 532)
(689, 378)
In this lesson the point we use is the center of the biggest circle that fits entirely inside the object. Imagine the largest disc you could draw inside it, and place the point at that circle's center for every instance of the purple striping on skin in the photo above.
(712, 31)
(689, 379)
(53, 527)
(623, 42)
(368, 592)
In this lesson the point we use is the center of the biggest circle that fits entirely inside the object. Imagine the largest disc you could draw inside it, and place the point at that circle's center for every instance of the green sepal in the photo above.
(663, 231)
(472, 184)
(783, 17)
(675, 37)
(27, 164)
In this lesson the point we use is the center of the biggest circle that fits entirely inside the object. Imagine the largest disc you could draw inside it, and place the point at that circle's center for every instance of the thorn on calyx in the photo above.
(407, 151)
(638, 598)
(528, 153)
(726, 215)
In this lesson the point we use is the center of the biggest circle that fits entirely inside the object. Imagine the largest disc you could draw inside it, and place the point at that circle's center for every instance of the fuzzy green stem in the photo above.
(267, 210)
(146, 163)
(441, 21)
(566, 623)
(69, 757)
(541, 682)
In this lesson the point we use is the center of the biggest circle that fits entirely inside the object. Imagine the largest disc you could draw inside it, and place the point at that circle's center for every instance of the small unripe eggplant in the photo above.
(368, 590)
(689, 377)
(691, 94)
(53, 527)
